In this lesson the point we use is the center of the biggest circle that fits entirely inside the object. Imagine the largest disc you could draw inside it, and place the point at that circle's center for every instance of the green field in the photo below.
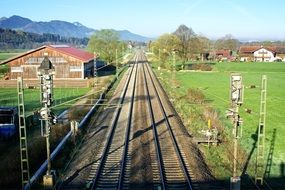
(215, 86)
(4, 55)
(8, 97)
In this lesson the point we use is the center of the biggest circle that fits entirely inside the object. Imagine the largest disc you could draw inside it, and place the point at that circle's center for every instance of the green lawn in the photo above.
(215, 86)
(8, 97)
(5, 55)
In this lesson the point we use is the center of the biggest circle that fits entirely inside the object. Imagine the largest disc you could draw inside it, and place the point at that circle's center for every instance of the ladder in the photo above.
(259, 167)
(22, 134)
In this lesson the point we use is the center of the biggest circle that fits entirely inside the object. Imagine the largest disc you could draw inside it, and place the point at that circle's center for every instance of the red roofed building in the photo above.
(262, 54)
(224, 54)
(69, 62)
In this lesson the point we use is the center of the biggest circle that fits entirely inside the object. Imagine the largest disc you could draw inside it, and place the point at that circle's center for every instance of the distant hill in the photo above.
(62, 28)
(127, 35)
(17, 39)
(14, 22)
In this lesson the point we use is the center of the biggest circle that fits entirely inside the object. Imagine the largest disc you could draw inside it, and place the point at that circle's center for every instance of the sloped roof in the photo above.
(65, 49)
(251, 49)
(248, 49)
(74, 52)
(223, 52)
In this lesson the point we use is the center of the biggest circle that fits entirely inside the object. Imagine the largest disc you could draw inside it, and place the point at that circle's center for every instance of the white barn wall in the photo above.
(268, 55)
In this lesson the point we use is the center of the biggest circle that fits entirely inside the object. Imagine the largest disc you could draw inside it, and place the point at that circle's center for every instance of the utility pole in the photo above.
(46, 72)
(259, 165)
(23, 135)
(117, 74)
(159, 62)
(236, 96)
(95, 73)
(173, 68)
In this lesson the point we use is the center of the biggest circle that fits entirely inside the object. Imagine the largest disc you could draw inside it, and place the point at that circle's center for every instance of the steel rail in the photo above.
(155, 136)
(111, 134)
(177, 150)
(59, 147)
(126, 145)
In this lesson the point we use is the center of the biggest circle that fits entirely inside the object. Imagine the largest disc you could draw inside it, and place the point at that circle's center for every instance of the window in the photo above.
(38, 60)
(57, 60)
(32, 60)
(16, 69)
(75, 68)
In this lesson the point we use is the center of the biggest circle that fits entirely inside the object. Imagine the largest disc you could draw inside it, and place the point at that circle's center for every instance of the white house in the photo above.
(263, 55)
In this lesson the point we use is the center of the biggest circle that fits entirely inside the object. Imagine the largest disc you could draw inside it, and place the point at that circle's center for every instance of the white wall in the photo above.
(263, 55)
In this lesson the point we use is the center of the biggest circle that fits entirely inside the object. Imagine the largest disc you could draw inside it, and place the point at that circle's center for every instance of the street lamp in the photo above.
(46, 72)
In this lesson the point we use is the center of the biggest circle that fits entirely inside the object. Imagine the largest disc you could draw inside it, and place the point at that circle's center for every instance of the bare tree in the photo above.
(104, 43)
(164, 47)
(184, 34)
(227, 42)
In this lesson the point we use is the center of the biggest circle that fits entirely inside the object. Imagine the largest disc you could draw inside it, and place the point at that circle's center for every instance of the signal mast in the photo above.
(46, 72)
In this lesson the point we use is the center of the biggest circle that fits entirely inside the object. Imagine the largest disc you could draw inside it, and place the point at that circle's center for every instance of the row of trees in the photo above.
(106, 44)
(11, 39)
(187, 45)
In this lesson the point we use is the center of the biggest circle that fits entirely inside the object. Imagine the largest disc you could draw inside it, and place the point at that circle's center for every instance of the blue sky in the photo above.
(244, 19)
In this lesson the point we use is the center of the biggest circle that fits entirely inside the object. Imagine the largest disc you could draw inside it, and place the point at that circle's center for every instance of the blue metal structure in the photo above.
(8, 121)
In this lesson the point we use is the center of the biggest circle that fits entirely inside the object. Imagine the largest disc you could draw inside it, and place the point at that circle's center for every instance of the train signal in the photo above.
(236, 88)
(46, 72)
(236, 98)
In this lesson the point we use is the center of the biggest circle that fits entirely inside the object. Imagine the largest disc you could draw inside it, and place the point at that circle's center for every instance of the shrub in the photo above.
(195, 95)
(211, 114)
(206, 67)
(202, 67)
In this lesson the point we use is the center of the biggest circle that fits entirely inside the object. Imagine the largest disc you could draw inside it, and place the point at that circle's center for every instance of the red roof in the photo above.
(224, 53)
(251, 49)
(248, 49)
(65, 49)
(74, 52)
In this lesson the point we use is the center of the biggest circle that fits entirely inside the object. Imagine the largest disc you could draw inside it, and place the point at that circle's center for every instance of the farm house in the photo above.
(262, 54)
(69, 62)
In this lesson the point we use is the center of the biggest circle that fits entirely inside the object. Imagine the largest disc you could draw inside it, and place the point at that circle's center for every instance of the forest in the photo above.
(16, 39)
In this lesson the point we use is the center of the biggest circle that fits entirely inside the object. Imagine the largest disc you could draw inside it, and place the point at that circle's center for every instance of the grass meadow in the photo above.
(6, 55)
(215, 86)
(8, 97)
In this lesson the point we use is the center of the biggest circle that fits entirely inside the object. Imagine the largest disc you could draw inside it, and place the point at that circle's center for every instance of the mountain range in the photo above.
(62, 28)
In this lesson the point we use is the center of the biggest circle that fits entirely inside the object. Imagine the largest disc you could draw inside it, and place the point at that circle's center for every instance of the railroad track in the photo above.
(111, 172)
(113, 163)
(173, 170)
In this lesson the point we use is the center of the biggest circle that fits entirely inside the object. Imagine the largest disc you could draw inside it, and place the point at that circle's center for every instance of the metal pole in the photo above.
(236, 93)
(117, 63)
(48, 154)
(174, 61)
(95, 74)
(235, 141)
(173, 69)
